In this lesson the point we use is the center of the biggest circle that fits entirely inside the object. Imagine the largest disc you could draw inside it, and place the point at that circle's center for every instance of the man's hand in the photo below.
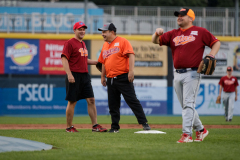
(155, 36)
(103, 81)
(235, 98)
(71, 78)
(130, 76)
(159, 31)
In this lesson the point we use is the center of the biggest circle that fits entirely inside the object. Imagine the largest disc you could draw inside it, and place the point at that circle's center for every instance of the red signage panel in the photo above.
(2, 56)
(50, 61)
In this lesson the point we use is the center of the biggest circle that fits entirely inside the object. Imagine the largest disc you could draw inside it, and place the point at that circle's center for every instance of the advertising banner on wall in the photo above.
(150, 59)
(206, 100)
(50, 61)
(1, 56)
(152, 95)
(35, 96)
(21, 56)
(228, 55)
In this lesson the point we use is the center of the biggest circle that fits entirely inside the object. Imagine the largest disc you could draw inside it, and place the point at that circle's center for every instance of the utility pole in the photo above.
(86, 11)
(236, 17)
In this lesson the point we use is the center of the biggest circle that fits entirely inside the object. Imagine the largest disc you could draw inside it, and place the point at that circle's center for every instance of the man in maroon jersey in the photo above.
(78, 83)
(229, 85)
(187, 44)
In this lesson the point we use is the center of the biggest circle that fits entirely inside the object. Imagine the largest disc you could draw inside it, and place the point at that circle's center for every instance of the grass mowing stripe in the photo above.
(206, 120)
(220, 144)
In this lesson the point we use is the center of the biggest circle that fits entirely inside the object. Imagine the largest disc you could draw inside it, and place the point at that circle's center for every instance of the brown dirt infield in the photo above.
(89, 126)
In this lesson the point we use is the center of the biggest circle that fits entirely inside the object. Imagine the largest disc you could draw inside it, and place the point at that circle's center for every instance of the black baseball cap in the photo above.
(108, 27)
(185, 11)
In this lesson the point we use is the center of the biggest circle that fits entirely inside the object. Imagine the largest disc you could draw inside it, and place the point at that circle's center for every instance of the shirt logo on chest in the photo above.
(228, 82)
(107, 53)
(83, 52)
(182, 40)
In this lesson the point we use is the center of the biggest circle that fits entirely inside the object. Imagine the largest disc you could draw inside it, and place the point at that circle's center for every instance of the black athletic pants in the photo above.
(117, 86)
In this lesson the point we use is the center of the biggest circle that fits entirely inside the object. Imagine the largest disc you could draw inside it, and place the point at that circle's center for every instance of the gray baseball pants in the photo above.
(186, 86)
(228, 102)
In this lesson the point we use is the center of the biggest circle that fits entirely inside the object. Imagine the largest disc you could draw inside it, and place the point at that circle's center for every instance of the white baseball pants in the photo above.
(186, 86)
(228, 102)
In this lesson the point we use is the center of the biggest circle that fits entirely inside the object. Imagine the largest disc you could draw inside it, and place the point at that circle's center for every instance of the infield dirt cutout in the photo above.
(89, 126)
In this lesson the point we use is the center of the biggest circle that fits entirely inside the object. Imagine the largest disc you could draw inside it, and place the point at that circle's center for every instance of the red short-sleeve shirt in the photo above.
(228, 84)
(77, 55)
(187, 45)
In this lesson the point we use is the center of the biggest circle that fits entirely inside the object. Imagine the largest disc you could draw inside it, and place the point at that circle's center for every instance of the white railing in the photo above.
(37, 23)
(165, 11)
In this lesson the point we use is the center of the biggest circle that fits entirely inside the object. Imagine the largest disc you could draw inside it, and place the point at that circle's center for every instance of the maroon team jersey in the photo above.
(187, 45)
(77, 55)
(228, 84)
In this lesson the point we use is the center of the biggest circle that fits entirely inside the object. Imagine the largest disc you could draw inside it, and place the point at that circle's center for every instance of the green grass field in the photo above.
(220, 143)
(208, 120)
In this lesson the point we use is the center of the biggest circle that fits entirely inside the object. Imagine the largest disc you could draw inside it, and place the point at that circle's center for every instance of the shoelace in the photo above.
(99, 126)
(183, 137)
(199, 135)
(74, 128)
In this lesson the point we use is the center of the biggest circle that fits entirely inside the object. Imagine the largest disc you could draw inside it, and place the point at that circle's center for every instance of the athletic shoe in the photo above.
(146, 126)
(113, 131)
(71, 129)
(201, 135)
(98, 128)
(185, 138)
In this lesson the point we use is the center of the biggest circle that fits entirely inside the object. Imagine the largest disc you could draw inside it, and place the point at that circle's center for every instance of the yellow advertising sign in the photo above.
(150, 59)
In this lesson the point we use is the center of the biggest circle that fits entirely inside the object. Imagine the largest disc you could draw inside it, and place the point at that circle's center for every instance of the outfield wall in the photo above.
(31, 93)
(41, 96)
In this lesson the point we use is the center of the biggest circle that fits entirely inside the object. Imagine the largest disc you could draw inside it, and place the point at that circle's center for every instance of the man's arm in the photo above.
(103, 79)
(131, 67)
(67, 70)
(220, 90)
(215, 48)
(236, 93)
(91, 62)
(155, 36)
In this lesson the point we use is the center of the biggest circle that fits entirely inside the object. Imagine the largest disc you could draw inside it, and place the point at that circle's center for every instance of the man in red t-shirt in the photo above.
(229, 85)
(78, 83)
(187, 44)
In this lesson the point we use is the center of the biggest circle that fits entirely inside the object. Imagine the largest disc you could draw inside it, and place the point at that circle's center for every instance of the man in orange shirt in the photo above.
(118, 60)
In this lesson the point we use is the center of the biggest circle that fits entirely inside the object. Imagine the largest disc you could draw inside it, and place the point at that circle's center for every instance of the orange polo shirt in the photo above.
(114, 56)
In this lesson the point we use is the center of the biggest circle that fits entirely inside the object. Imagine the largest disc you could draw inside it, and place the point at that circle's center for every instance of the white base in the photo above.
(151, 132)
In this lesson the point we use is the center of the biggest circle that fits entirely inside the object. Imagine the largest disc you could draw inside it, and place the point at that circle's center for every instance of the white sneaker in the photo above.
(185, 138)
(201, 135)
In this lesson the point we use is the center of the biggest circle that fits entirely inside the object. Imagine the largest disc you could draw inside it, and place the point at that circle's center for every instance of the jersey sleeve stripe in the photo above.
(128, 52)
(213, 42)
(65, 56)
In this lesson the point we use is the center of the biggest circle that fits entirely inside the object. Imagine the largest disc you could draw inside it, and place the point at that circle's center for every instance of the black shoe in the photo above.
(146, 126)
(230, 120)
(113, 131)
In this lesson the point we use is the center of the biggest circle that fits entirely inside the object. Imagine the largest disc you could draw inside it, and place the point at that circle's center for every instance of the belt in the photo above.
(117, 77)
(183, 70)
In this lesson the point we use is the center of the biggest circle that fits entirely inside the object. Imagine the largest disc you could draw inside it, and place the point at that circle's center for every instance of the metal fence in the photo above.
(165, 11)
(43, 23)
